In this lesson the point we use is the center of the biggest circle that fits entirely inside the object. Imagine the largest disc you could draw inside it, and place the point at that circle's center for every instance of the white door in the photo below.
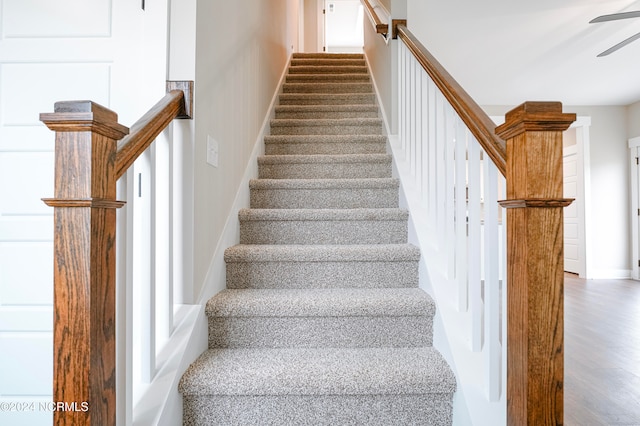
(571, 216)
(344, 26)
(49, 51)
(634, 157)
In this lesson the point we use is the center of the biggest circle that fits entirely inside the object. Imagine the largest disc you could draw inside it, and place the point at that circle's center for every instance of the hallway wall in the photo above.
(241, 50)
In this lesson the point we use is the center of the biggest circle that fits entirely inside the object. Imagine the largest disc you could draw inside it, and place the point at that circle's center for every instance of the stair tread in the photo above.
(324, 76)
(324, 158)
(319, 371)
(339, 139)
(321, 253)
(310, 95)
(335, 302)
(326, 108)
(328, 61)
(302, 55)
(328, 69)
(325, 122)
(323, 183)
(323, 214)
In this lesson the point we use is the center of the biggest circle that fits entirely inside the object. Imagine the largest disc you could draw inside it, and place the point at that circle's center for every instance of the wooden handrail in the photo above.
(381, 27)
(527, 149)
(175, 104)
(84, 301)
(478, 122)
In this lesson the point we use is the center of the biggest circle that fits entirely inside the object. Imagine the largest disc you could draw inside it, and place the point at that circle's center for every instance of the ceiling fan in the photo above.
(616, 17)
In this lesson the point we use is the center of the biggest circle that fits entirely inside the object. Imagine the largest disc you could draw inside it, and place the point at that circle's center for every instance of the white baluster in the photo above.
(449, 166)
(475, 252)
(492, 350)
(461, 215)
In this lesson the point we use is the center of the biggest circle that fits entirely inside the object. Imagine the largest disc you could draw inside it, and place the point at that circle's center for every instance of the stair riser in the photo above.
(324, 171)
(323, 198)
(327, 130)
(311, 99)
(301, 115)
(323, 232)
(317, 332)
(434, 409)
(327, 87)
(322, 275)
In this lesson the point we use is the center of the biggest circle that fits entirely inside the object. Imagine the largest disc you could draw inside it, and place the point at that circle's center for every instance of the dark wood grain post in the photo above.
(535, 259)
(84, 262)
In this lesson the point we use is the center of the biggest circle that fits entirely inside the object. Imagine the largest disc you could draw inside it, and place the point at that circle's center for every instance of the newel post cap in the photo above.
(81, 116)
(537, 117)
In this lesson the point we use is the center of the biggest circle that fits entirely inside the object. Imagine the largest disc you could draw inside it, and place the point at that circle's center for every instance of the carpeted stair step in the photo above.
(324, 144)
(344, 166)
(328, 78)
(313, 318)
(327, 386)
(323, 321)
(319, 87)
(318, 55)
(322, 69)
(326, 111)
(328, 62)
(322, 266)
(327, 98)
(323, 226)
(323, 193)
(344, 126)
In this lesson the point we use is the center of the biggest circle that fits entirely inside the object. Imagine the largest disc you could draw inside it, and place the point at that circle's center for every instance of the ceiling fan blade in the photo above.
(619, 45)
(616, 16)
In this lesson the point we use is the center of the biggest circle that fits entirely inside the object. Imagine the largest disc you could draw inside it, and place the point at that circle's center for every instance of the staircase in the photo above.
(322, 321)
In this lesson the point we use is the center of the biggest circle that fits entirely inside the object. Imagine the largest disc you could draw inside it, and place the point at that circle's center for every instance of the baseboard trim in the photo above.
(609, 274)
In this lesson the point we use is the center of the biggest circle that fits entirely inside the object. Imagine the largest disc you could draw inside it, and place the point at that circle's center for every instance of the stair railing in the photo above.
(93, 151)
(493, 201)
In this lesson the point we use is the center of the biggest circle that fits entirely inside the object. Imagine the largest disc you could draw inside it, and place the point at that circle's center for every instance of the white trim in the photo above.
(320, 4)
(634, 142)
(634, 176)
(610, 274)
(583, 144)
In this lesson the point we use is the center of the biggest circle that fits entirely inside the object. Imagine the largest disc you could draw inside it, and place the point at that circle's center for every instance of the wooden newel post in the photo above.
(535, 259)
(84, 262)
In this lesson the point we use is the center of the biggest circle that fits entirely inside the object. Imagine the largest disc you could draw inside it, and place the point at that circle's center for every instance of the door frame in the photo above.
(583, 161)
(634, 153)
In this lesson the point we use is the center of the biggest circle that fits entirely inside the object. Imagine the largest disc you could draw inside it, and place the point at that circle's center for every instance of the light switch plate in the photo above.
(212, 151)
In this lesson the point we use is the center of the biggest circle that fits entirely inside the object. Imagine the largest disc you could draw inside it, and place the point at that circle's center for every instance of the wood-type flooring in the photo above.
(602, 352)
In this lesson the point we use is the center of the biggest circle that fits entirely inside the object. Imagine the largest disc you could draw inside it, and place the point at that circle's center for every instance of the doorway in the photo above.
(576, 175)
(343, 26)
(634, 155)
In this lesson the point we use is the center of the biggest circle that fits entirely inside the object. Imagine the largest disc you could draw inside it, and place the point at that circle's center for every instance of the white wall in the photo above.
(633, 120)
(242, 48)
(382, 58)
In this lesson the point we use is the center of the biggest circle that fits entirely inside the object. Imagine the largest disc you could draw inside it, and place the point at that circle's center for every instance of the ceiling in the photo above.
(505, 52)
